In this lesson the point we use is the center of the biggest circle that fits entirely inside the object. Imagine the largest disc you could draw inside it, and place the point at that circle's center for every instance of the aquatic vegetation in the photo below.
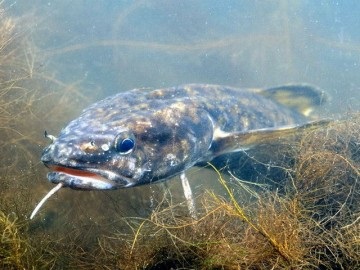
(224, 237)
(12, 246)
(326, 183)
(315, 223)
(302, 214)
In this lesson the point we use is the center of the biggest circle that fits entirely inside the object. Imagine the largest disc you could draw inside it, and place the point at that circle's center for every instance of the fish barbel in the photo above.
(145, 136)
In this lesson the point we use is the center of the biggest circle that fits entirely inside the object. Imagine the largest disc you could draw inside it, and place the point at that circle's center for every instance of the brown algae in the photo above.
(313, 223)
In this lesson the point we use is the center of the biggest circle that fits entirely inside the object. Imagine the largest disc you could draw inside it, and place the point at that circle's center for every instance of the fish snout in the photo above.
(56, 154)
(46, 156)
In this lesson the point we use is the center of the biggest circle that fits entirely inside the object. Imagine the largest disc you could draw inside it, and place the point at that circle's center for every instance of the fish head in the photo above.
(109, 149)
(82, 157)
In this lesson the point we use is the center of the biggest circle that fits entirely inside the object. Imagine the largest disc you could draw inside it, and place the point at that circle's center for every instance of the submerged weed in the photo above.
(312, 222)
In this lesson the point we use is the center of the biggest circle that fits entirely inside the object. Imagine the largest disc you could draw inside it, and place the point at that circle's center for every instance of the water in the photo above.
(94, 50)
(84, 51)
(119, 45)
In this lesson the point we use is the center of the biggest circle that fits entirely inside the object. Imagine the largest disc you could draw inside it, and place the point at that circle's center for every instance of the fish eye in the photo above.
(124, 145)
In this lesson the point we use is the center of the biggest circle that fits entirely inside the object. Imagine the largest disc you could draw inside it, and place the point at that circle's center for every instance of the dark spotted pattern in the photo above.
(173, 129)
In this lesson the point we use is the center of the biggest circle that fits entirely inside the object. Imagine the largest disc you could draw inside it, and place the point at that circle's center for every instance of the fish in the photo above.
(144, 136)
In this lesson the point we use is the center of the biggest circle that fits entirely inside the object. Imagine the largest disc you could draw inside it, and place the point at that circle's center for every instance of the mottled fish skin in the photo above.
(173, 130)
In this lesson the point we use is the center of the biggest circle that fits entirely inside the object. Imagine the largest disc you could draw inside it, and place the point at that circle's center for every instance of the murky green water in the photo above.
(78, 52)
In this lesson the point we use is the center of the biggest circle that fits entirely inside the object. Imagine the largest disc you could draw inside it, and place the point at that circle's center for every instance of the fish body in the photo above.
(144, 136)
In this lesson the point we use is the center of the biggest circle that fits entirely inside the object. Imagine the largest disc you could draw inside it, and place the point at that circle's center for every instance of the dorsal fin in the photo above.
(302, 97)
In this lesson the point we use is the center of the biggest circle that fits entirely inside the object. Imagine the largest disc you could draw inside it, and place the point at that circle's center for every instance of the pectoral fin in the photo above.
(233, 142)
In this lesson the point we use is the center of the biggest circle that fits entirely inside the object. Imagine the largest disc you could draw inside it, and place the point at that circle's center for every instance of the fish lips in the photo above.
(86, 178)
(80, 177)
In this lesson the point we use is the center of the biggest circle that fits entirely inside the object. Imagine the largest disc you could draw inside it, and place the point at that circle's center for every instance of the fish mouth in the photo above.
(81, 179)
(86, 178)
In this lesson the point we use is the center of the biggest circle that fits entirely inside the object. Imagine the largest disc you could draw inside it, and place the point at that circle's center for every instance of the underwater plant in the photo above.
(312, 224)
(303, 213)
